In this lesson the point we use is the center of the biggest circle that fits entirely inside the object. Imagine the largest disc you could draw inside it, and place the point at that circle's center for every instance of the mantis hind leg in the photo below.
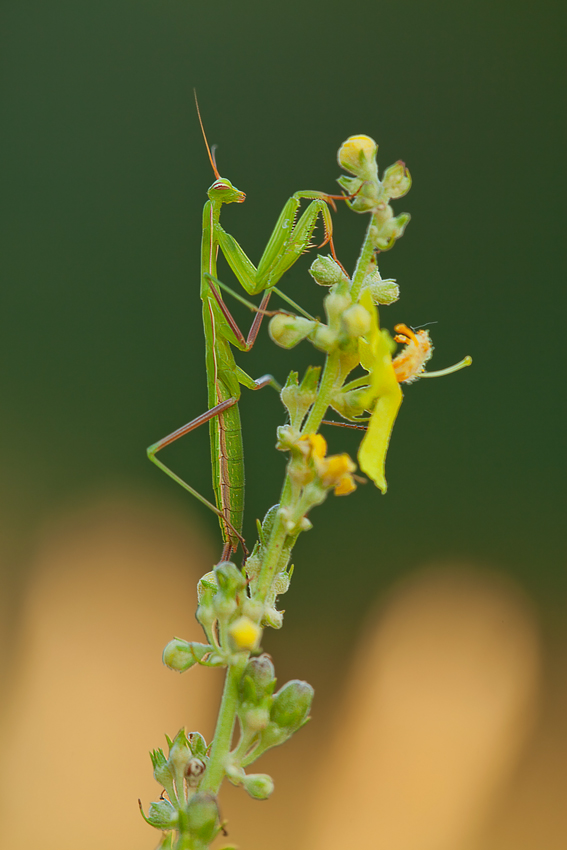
(217, 410)
(231, 533)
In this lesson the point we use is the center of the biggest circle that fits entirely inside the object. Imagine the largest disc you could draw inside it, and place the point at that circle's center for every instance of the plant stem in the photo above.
(222, 740)
(279, 531)
(363, 259)
(328, 381)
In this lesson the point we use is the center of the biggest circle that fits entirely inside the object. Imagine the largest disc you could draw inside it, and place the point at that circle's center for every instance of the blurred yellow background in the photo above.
(440, 730)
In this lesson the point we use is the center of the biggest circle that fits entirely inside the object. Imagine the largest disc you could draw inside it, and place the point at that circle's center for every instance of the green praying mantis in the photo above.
(290, 238)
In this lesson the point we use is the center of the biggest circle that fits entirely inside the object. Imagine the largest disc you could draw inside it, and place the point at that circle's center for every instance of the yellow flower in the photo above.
(383, 397)
(245, 633)
(358, 155)
(334, 471)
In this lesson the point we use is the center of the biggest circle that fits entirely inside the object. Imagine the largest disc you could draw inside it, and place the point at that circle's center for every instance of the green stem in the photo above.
(362, 263)
(274, 549)
(326, 387)
(222, 740)
(279, 532)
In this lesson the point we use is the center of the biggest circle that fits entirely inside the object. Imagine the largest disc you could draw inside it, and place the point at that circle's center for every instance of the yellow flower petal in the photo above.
(358, 155)
(318, 445)
(334, 470)
(386, 392)
(345, 486)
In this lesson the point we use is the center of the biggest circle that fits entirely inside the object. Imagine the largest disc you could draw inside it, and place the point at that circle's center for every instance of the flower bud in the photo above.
(202, 817)
(326, 272)
(291, 704)
(252, 608)
(259, 785)
(179, 753)
(224, 607)
(193, 772)
(287, 331)
(358, 156)
(245, 633)
(385, 234)
(357, 321)
(382, 291)
(396, 180)
(337, 301)
(229, 578)
(255, 719)
(324, 338)
(258, 679)
(180, 655)
(162, 815)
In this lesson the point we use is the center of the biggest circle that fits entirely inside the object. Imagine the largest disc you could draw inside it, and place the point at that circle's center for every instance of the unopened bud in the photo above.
(358, 156)
(382, 291)
(193, 772)
(162, 815)
(180, 753)
(202, 817)
(291, 704)
(326, 272)
(337, 301)
(255, 719)
(386, 233)
(357, 321)
(180, 655)
(245, 633)
(258, 679)
(288, 331)
(252, 608)
(396, 180)
(324, 338)
(230, 579)
(259, 785)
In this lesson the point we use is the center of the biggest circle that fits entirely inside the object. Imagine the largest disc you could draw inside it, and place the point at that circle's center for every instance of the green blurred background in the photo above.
(104, 178)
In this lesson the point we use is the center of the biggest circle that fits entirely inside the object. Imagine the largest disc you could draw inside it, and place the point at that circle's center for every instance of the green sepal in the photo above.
(206, 588)
(198, 745)
(298, 398)
(388, 232)
(162, 772)
(396, 180)
(161, 815)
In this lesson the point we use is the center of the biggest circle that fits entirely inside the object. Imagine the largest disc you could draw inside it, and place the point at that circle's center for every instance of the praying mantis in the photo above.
(290, 238)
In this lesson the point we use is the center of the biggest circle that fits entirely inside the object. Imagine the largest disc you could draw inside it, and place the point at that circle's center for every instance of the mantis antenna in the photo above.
(211, 157)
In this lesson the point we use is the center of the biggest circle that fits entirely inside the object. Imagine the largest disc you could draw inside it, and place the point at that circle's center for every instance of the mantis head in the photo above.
(222, 191)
